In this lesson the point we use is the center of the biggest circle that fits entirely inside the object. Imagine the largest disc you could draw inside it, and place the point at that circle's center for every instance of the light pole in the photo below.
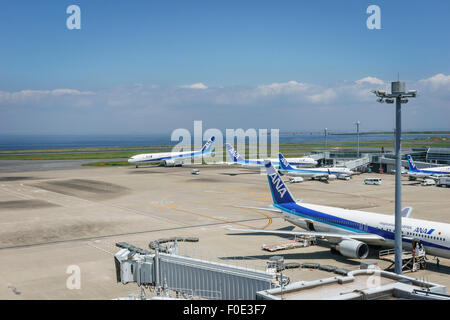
(326, 144)
(398, 95)
(357, 133)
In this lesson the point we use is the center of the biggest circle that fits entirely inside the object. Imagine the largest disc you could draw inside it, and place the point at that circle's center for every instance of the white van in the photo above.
(428, 182)
(195, 171)
(372, 181)
(295, 179)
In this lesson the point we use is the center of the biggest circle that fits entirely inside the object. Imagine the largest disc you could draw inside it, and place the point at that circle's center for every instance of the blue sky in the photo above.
(136, 60)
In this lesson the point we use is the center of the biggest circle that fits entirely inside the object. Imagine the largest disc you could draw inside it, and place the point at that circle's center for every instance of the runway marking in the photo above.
(116, 235)
(225, 220)
(94, 246)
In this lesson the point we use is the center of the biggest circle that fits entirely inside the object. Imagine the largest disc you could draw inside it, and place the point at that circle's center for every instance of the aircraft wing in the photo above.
(333, 237)
(320, 175)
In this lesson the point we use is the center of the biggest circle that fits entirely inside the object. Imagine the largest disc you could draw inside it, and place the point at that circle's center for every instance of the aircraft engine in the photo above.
(169, 163)
(353, 249)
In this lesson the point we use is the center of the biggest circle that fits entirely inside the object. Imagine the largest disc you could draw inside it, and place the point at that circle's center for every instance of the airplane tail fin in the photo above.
(234, 155)
(284, 164)
(279, 190)
(208, 145)
(412, 165)
(406, 212)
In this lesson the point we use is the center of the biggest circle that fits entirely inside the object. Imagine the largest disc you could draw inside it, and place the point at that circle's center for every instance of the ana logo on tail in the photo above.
(284, 163)
(278, 184)
(412, 165)
(208, 144)
(235, 155)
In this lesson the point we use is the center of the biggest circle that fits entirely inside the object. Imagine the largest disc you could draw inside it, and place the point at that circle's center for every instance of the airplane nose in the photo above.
(131, 160)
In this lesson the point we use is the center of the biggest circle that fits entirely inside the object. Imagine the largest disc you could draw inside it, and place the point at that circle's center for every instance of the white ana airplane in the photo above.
(171, 159)
(236, 158)
(312, 173)
(435, 172)
(351, 231)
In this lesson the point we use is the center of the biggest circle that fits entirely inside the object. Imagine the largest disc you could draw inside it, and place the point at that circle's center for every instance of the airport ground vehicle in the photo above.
(443, 182)
(428, 182)
(195, 171)
(372, 181)
(295, 179)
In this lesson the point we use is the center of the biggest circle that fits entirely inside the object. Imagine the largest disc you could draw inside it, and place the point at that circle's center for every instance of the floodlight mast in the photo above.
(398, 93)
(357, 133)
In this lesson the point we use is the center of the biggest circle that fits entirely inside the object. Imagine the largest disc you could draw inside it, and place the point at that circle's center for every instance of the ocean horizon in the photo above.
(35, 142)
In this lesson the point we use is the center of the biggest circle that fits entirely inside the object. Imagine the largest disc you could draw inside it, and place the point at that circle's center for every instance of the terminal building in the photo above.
(382, 161)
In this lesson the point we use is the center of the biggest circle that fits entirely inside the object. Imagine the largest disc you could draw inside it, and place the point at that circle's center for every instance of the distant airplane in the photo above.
(171, 159)
(435, 172)
(351, 231)
(311, 173)
(236, 158)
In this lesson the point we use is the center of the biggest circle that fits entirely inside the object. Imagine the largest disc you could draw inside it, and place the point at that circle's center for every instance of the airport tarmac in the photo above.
(53, 220)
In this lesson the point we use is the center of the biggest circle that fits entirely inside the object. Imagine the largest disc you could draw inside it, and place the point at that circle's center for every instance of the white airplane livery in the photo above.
(171, 159)
(351, 231)
(236, 158)
(428, 172)
(313, 173)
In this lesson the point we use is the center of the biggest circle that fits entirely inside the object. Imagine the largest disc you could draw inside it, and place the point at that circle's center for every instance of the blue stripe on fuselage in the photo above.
(428, 172)
(312, 171)
(181, 156)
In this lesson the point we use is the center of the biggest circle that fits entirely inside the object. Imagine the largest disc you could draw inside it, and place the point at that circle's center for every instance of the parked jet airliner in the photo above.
(313, 173)
(351, 231)
(171, 159)
(236, 158)
(428, 172)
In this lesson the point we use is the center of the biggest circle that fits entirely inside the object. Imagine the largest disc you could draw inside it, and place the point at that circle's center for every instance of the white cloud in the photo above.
(282, 88)
(326, 96)
(59, 92)
(198, 85)
(370, 80)
(437, 81)
(30, 95)
(278, 104)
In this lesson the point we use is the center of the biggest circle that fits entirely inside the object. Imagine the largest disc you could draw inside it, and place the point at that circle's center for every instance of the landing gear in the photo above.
(334, 251)
(137, 166)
